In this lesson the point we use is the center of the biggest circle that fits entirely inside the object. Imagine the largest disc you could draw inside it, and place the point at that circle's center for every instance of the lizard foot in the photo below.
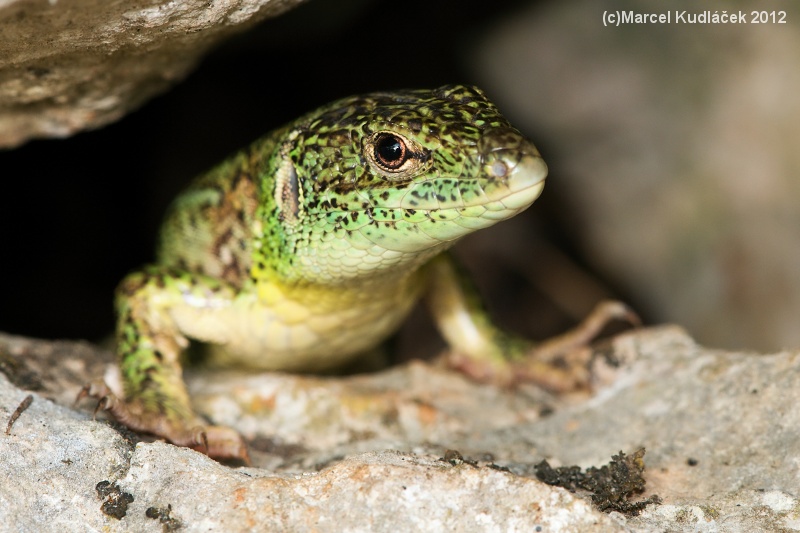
(218, 442)
(558, 364)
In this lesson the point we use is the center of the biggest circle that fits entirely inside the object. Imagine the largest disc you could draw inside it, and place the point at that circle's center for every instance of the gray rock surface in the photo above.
(363, 453)
(673, 148)
(69, 66)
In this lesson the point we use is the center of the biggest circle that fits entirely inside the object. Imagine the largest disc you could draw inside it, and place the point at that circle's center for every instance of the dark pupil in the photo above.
(390, 151)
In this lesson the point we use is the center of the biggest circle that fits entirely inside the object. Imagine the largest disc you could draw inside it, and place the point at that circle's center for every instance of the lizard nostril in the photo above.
(499, 169)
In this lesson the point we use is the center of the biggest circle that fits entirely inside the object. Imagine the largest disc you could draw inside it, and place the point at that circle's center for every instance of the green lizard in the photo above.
(312, 245)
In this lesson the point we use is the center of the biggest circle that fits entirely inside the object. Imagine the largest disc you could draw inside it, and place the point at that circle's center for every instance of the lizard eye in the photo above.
(390, 151)
(395, 156)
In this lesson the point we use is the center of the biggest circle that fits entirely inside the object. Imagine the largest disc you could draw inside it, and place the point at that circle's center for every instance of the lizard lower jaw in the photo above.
(525, 182)
(523, 198)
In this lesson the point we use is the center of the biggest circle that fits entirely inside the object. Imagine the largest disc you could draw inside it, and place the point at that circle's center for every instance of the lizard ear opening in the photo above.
(288, 196)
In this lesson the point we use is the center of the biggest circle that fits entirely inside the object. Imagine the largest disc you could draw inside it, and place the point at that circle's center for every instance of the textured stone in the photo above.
(92, 61)
(56, 458)
(719, 428)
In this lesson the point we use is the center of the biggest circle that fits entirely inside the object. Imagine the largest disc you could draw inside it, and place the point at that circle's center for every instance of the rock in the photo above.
(92, 61)
(85, 463)
(384, 491)
(369, 452)
(672, 154)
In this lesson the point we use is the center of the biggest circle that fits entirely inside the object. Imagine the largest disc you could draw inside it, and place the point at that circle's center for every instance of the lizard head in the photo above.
(374, 181)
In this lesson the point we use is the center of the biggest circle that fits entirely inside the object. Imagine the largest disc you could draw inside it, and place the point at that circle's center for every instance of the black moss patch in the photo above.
(115, 502)
(611, 486)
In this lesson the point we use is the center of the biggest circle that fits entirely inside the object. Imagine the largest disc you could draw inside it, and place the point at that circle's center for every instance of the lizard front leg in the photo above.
(489, 354)
(149, 347)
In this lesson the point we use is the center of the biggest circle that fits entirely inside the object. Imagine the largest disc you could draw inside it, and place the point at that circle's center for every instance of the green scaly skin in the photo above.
(312, 245)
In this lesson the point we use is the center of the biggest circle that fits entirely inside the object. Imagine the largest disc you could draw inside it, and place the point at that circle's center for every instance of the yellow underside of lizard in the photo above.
(301, 328)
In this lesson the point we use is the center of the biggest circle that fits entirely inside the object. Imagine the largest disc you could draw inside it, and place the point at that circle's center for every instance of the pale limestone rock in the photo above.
(362, 453)
(69, 66)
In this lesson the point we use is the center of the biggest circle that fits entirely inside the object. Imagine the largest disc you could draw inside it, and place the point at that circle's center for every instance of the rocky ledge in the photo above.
(417, 447)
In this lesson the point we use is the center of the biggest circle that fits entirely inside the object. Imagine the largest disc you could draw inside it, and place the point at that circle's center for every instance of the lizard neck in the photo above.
(391, 287)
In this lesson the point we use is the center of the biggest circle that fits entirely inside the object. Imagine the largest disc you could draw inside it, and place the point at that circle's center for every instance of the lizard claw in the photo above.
(558, 364)
(98, 390)
(561, 363)
(218, 442)
(589, 328)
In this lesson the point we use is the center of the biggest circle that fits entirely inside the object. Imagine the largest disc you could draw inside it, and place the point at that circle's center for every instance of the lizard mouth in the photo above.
(507, 184)
(520, 180)
(505, 177)
(443, 209)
